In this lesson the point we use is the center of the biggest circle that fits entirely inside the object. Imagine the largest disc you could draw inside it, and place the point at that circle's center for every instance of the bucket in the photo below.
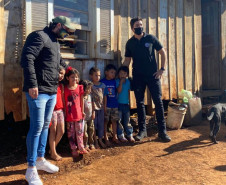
(175, 118)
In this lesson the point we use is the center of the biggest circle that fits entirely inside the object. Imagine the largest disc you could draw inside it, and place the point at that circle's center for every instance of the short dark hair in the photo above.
(109, 67)
(93, 70)
(133, 20)
(85, 83)
(124, 68)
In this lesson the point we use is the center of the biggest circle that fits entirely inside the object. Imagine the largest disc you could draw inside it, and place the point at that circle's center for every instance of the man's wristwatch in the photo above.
(162, 68)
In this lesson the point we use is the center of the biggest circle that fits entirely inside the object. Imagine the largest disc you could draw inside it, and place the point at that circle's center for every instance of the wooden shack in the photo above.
(193, 33)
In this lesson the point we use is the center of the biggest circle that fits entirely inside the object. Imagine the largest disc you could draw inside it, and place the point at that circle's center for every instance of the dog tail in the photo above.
(210, 117)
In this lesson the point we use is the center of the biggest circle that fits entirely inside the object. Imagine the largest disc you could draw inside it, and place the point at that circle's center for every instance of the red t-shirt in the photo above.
(73, 103)
(59, 102)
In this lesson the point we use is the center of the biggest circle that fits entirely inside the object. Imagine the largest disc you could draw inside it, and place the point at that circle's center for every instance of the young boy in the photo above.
(110, 102)
(98, 105)
(123, 88)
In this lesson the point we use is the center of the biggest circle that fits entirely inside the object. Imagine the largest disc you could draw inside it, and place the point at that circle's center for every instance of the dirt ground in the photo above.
(189, 159)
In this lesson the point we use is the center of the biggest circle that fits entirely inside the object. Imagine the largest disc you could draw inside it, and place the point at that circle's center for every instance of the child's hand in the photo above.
(83, 114)
(93, 116)
(122, 80)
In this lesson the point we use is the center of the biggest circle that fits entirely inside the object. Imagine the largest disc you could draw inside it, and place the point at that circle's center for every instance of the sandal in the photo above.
(56, 157)
(83, 151)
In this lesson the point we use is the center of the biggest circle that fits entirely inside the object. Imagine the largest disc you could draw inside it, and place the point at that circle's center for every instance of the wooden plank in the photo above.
(2, 60)
(133, 12)
(152, 17)
(180, 45)
(13, 78)
(117, 46)
(172, 50)
(100, 64)
(87, 64)
(198, 44)
(124, 26)
(144, 14)
(188, 27)
(223, 43)
(163, 36)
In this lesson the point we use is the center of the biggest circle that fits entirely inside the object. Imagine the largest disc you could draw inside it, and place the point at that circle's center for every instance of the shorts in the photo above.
(111, 114)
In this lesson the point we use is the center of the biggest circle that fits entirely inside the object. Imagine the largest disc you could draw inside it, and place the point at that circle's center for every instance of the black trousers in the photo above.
(139, 85)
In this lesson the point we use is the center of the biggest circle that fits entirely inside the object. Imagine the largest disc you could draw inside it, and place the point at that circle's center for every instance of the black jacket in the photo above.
(40, 61)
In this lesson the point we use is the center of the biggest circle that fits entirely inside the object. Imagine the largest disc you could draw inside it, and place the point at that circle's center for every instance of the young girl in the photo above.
(90, 115)
(73, 96)
(56, 130)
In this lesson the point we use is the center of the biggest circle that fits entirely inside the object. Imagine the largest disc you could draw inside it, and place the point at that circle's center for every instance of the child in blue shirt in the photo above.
(110, 102)
(123, 88)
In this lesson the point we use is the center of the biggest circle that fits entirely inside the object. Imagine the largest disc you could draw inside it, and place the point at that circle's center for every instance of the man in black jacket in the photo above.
(40, 62)
(141, 48)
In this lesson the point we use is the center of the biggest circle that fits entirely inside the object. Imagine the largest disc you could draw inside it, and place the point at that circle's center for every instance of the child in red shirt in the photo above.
(56, 130)
(74, 105)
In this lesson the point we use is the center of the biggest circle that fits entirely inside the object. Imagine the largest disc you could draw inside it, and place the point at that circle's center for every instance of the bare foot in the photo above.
(56, 157)
(83, 151)
(102, 144)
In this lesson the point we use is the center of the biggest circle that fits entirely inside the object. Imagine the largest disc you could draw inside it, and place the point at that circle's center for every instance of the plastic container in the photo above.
(175, 117)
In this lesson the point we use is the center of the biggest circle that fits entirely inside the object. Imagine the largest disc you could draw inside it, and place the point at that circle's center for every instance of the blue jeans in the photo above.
(40, 110)
(123, 123)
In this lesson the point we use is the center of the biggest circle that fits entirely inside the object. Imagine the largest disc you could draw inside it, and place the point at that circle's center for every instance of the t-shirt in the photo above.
(123, 96)
(111, 93)
(59, 102)
(98, 96)
(73, 103)
(88, 107)
(143, 54)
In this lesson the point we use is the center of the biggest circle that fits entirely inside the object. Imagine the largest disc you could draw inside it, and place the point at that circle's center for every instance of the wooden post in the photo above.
(180, 45)
(2, 60)
(188, 29)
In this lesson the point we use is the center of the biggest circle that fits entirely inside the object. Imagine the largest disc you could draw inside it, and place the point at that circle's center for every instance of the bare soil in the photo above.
(189, 159)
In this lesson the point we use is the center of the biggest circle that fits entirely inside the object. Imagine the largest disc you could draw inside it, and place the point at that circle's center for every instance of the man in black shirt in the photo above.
(141, 48)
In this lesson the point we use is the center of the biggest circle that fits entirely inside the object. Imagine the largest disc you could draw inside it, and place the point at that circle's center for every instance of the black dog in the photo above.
(216, 114)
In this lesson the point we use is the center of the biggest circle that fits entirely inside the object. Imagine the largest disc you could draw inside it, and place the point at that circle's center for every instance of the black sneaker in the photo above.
(164, 137)
(141, 135)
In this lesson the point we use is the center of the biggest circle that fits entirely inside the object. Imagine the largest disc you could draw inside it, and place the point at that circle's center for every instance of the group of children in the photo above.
(88, 106)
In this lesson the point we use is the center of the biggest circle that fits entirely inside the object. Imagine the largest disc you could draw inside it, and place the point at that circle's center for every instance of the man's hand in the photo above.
(158, 74)
(33, 92)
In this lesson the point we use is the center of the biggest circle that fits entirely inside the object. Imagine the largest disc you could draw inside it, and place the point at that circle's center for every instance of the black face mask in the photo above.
(139, 30)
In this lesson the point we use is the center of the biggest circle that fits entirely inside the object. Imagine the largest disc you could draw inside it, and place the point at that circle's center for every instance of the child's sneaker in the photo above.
(32, 177)
(123, 139)
(46, 166)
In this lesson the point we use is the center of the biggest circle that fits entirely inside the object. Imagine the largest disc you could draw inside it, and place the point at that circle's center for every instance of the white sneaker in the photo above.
(32, 177)
(46, 166)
